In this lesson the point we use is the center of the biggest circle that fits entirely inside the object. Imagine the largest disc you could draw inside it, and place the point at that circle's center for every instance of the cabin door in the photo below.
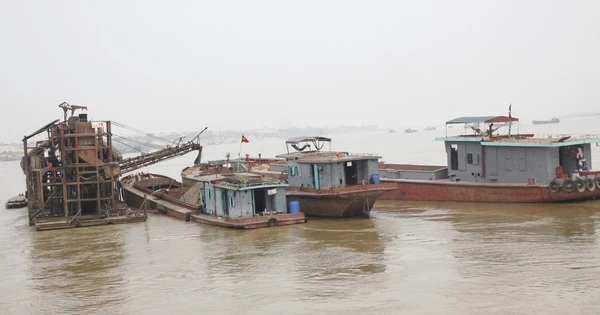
(351, 172)
(209, 198)
(224, 203)
(315, 173)
(260, 201)
(454, 157)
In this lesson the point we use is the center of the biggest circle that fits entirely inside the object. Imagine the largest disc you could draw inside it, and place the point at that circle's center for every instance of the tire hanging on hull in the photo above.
(579, 184)
(590, 184)
(273, 222)
(554, 186)
(568, 185)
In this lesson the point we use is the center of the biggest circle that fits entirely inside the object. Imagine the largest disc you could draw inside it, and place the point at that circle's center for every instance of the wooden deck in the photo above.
(75, 222)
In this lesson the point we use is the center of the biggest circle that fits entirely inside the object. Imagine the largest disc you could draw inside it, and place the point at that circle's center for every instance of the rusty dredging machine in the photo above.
(72, 176)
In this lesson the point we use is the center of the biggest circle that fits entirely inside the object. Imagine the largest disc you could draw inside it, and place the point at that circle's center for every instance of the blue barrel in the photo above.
(294, 206)
(374, 179)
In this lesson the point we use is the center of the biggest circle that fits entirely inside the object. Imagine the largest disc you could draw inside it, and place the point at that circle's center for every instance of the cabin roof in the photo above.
(297, 140)
(484, 119)
(515, 141)
(231, 181)
(327, 157)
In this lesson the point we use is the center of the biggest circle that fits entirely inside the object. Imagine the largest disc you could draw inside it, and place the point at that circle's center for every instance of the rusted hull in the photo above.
(136, 201)
(251, 223)
(335, 206)
(350, 201)
(138, 195)
(415, 190)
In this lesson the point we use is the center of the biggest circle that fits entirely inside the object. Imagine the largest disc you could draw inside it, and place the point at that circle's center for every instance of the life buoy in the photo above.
(568, 185)
(554, 186)
(273, 222)
(579, 184)
(590, 184)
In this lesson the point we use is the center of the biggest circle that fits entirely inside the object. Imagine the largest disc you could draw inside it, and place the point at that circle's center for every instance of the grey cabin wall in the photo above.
(302, 177)
(370, 167)
(503, 163)
(219, 192)
(519, 164)
(466, 171)
(331, 175)
(280, 200)
(587, 151)
(243, 202)
(209, 199)
(245, 206)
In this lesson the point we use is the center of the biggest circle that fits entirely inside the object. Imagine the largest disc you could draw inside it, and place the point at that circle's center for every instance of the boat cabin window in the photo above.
(473, 158)
(292, 170)
(454, 157)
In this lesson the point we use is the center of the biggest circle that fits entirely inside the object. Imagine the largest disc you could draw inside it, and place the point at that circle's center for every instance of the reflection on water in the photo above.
(80, 265)
(519, 252)
(564, 219)
(353, 246)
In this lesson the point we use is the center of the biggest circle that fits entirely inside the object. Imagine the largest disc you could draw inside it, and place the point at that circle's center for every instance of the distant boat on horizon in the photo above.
(429, 128)
(391, 131)
(410, 130)
(554, 120)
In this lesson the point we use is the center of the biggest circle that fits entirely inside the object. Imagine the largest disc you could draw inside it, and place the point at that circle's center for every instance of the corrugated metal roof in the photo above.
(484, 119)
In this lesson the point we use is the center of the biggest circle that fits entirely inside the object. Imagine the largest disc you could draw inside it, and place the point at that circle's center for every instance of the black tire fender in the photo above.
(554, 186)
(579, 184)
(590, 184)
(568, 185)
(273, 222)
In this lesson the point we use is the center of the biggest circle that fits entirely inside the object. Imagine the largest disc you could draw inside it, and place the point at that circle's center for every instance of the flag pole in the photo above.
(237, 163)
(509, 118)
(241, 141)
(240, 152)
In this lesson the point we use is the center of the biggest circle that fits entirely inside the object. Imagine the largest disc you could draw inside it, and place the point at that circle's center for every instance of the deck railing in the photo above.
(546, 138)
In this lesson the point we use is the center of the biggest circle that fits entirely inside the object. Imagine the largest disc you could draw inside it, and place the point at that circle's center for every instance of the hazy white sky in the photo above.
(183, 65)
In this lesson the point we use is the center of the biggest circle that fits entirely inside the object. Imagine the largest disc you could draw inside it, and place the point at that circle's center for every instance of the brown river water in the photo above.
(409, 258)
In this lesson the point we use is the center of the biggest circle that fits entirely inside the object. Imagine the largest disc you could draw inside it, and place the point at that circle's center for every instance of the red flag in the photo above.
(244, 139)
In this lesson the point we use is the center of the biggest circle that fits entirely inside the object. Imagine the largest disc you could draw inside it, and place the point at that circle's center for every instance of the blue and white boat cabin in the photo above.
(242, 195)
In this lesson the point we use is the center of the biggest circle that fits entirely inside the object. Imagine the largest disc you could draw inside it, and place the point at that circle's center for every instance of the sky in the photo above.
(170, 66)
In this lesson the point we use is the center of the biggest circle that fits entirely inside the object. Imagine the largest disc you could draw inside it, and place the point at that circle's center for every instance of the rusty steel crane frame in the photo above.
(78, 178)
